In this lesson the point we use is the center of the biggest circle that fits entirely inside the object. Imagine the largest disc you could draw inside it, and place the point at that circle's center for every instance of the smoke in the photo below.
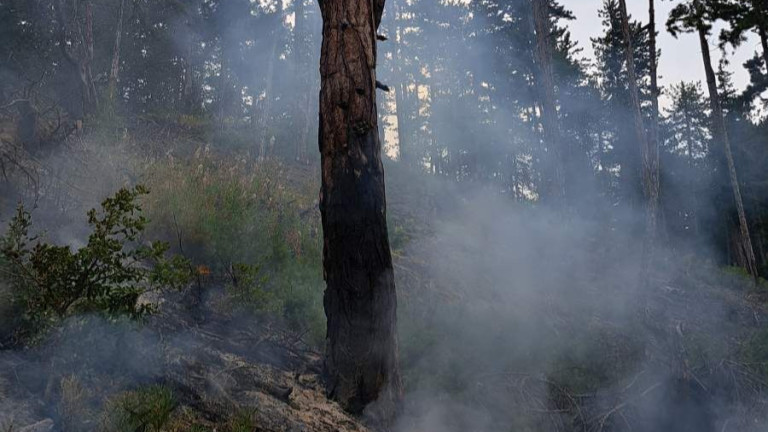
(533, 321)
(513, 315)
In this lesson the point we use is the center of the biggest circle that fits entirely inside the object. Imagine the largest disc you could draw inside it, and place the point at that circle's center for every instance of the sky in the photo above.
(680, 58)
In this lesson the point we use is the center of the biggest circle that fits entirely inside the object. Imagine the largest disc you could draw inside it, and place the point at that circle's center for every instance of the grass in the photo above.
(74, 410)
(255, 227)
(148, 409)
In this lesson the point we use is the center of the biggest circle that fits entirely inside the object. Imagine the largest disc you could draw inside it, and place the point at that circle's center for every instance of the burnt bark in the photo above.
(721, 133)
(360, 299)
(649, 155)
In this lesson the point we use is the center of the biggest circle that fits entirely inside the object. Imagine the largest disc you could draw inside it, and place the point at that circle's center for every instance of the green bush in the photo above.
(106, 276)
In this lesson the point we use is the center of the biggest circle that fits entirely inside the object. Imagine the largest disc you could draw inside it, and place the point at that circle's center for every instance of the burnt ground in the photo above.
(218, 365)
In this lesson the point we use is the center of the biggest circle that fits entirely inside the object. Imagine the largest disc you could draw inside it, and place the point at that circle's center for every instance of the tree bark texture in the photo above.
(721, 133)
(360, 299)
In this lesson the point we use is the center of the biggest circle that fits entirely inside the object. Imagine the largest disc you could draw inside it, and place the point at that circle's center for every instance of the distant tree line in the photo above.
(481, 92)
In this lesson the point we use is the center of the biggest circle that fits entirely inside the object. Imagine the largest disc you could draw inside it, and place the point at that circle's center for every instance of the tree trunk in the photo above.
(90, 95)
(301, 63)
(650, 169)
(265, 147)
(115, 69)
(360, 299)
(554, 183)
(764, 42)
(721, 133)
(653, 141)
(762, 28)
(401, 88)
(82, 61)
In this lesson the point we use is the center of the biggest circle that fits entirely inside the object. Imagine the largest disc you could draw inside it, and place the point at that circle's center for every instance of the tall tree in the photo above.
(75, 34)
(650, 174)
(695, 16)
(360, 299)
(743, 16)
(555, 178)
(115, 67)
(621, 154)
(653, 138)
(301, 60)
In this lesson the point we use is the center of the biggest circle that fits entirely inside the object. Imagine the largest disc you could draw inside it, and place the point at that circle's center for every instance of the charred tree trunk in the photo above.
(648, 154)
(115, 69)
(555, 178)
(721, 133)
(360, 300)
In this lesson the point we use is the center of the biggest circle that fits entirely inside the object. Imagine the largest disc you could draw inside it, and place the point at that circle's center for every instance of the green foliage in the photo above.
(106, 276)
(148, 409)
(254, 226)
(247, 289)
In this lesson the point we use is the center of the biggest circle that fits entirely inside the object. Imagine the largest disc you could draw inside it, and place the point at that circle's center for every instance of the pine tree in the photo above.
(360, 299)
(695, 16)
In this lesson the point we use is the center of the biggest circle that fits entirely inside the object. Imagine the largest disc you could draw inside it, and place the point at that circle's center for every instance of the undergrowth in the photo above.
(255, 228)
(48, 283)
(148, 409)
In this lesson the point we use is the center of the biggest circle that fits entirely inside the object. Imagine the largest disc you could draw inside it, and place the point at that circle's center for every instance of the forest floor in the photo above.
(221, 372)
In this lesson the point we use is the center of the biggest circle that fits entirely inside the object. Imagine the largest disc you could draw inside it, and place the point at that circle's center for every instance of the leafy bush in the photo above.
(106, 276)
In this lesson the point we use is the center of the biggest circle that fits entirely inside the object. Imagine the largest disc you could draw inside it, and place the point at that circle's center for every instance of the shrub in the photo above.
(106, 276)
